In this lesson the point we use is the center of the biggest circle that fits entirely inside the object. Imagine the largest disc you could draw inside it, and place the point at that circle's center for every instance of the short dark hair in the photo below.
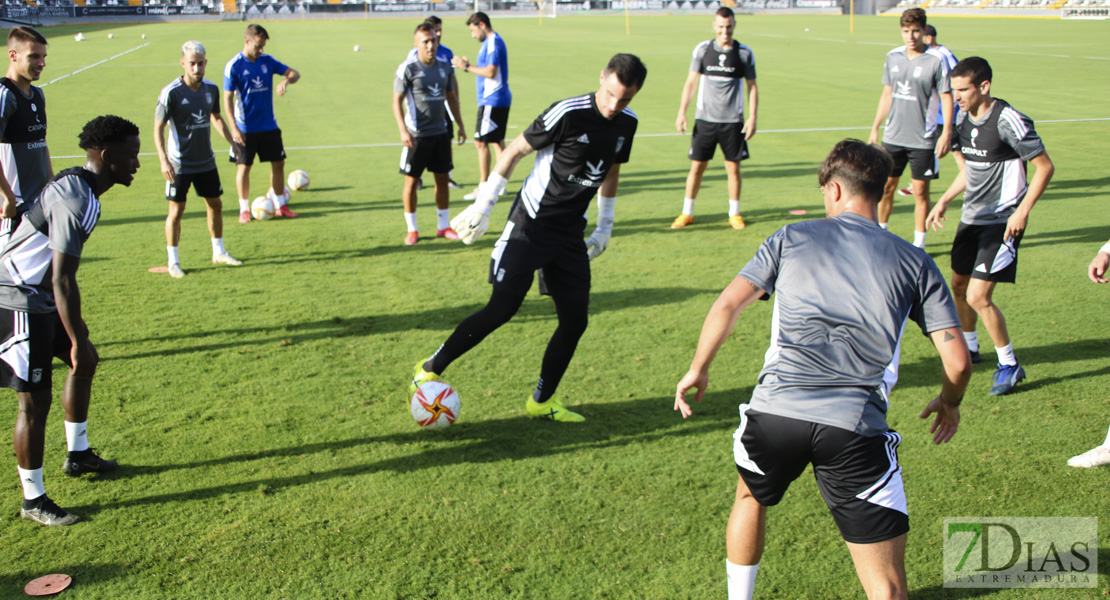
(930, 30)
(629, 68)
(479, 17)
(25, 34)
(426, 27)
(862, 168)
(913, 16)
(106, 130)
(434, 20)
(255, 30)
(725, 12)
(974, 68)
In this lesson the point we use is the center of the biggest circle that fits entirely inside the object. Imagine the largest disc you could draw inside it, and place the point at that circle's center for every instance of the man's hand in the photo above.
(680, 123)
(462, 135)
(406, 139)
(1097, 269)
(459, 62)
(1015, 225)
(692, 380)
(284, 83)
(237, 136)
(946, 422)
(597, 242)
(168, 172)
(749, 128)
(873, 136)
(7, 208)
(944, 144)
(936, 216)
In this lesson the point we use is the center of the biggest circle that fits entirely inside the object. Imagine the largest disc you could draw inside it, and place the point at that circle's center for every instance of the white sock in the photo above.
(919, 239)
(172, 251)
(443, 218)
(244, 205)
(688, 206)
(1006, 354)
(218, 246)
(741, 580)
(410, 221)
(279, 199)
(77, 438)
(32, 482)
(884, 225)
(733, 207)
(972, 339)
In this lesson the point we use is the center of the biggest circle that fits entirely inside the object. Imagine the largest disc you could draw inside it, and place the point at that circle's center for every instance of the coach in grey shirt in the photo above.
(842, 289)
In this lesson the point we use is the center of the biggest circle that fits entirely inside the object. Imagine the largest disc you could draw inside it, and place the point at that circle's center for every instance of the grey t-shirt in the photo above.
(23, 151)
(910, 123)
(721, 88)
(189, 148)
(843, 288)
(995, 150)
(425, 88)
(62, 219)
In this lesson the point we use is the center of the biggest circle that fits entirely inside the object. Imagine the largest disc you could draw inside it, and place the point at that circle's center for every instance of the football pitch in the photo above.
(260, 412)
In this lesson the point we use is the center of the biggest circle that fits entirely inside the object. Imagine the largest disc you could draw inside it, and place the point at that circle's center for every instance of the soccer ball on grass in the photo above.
(262, 209)
(298, 180)
(435, 405)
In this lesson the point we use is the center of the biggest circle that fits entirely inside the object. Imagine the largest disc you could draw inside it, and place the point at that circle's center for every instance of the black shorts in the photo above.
(526, 247)
(30, 344)
(491, 124)
(206, 184)
(980, 252)
(858, 476)
(266, 144)
(707, 135)
(432, 153)
(923, 163)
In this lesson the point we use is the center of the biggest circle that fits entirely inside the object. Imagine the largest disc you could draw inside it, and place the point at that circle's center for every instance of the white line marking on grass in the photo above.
(219, 151)
(95, 64)
(1096, 57)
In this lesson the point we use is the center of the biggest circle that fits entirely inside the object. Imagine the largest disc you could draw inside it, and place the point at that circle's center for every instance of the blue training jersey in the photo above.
(494, 91)
(252, 83)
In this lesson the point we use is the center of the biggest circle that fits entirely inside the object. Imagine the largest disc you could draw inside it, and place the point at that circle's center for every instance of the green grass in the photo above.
(260, 411)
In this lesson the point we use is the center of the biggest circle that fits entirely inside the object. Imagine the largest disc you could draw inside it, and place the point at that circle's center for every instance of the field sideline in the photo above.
(260, 411)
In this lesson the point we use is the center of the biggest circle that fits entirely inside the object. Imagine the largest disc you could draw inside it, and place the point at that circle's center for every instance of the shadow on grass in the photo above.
(939, 592)
(438, 319)
(319, 208)
(1086, 235)
(609, 425)
(11, 584)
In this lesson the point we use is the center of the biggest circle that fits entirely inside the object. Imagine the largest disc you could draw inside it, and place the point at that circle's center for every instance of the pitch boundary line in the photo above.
(94, 65)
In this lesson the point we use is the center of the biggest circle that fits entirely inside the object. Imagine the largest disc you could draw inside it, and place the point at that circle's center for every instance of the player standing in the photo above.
(930, 39)
(581, 144)
(716, 70)
(1099, 455)
(24, 158)
(993, 141)
(491, 71)
(249, 98)
(40, 309)
(192, 104)
(911, 74)
(442, 53)
(424, 88)
(818, 399)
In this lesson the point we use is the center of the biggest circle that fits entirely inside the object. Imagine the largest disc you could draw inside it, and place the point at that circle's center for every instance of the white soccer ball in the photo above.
(262, 209)
(111, 35)
(357, 47)
(435, 405)
(298, 180)
(144, 36)
(80, 37)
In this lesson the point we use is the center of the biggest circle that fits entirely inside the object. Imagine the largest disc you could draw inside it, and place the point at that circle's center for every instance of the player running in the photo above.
(992, 141)
(581, 144)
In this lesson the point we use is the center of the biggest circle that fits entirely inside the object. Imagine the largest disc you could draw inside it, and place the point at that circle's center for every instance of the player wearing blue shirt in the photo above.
(491, 72)
(248, 95)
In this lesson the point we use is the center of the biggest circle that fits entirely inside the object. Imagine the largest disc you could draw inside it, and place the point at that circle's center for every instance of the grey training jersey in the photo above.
(425, 88)
(62, 219)
(995, 150)
(23, 152)
(721, 87)
(843, 288)
(189, 148)
(910, 123)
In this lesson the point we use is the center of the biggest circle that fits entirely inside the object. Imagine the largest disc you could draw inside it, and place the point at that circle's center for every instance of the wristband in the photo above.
(1105, 248)
(605, 207)
(497, 183)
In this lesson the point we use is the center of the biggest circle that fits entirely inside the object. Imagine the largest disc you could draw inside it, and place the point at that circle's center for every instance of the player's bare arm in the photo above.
(1037, 184)
(229, 109)
(291, 76)
(453, 106)
(753, 104)
(67, 296)
(1096, 271)
(959, 184)
(955, 374)
(160, 148)
(220, 125)
(399, 116)
(473, 222)
(461, 62)
(718, 324)
(944, 144)
(687, 93)
(7, 205)
(881, 113)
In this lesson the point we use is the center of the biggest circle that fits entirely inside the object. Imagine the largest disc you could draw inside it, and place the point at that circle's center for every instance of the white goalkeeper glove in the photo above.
(599, 239)
(471, 223)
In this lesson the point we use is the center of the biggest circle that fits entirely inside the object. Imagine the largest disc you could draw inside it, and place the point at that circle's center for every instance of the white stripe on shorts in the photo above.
(16, 350)
(889, 491)
(739, 452)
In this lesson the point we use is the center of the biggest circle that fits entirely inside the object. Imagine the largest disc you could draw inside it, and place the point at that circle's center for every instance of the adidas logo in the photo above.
(928, 172)
(583, 139)
(894, 69)
(982, 268)
(184, 101)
